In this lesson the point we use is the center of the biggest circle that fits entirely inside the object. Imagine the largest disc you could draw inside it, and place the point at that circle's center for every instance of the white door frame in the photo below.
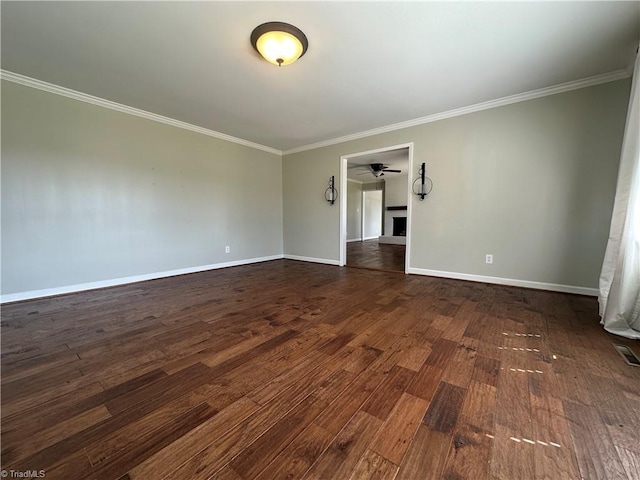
(344, 159)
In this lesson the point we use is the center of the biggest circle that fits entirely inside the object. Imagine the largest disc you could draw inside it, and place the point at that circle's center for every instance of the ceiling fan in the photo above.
(378, 169)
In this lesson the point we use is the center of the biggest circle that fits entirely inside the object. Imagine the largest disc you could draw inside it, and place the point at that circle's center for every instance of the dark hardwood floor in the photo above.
(287, 369)
(376, 256)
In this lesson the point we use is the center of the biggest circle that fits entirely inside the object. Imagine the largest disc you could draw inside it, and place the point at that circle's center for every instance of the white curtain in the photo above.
(620, 278)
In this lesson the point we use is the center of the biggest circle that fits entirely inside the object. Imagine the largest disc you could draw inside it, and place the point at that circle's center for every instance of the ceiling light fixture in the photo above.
(279, 43)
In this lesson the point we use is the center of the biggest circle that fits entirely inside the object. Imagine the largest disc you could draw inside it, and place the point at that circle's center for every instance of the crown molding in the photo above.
(101, 102)
(520, 97)
(499, 102)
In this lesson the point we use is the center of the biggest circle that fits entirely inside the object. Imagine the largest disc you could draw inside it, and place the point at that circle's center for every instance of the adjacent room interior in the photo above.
(320, 240)
(377, 199)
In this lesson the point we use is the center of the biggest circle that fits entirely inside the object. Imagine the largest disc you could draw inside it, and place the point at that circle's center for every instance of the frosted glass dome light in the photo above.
(279, 43)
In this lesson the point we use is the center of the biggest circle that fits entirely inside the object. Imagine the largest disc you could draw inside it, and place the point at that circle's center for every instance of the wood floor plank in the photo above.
(441, 353)
(486, 370)
(25, 424)
(444, 409)
(44, 380)
(413, 358)
(36, 400)
(383, 400)
(420, 464)
(213, 355)
(335, 344)
(311, 366)
(180, 451)
(227, 473)
(465, 314)
(298, 348)
(398, 430)
(613, 405)
(460, 368)
(92, 433)
(13, 369)
(549, 424)
(186, 379)
(115, 467)
(425, 382)
(571, 384)
(254, 352)
(73, 466)
(297, 457)
(513, 389)
(374, 467)
(227, 446)
(238, 383)
(50, 436)
(338, 413)
(216, 454)
(375, 255)
(597, 456)
(253, 459)
(125, 438)
(359, 358)
(289, 369)
(345, 451)
(473, 435)
(511, 455)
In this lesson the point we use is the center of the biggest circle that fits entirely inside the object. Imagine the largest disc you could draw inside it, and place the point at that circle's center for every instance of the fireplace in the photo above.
(399, 226)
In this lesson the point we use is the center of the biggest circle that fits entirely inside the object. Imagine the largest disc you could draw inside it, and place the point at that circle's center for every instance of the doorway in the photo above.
(375, 209)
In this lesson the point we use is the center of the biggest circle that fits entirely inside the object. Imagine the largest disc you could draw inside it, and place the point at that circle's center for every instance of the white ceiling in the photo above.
(358, 168)
(369, 64)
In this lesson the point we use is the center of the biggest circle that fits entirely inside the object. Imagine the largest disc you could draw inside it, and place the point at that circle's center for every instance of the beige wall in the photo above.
(90, 194)
(395, 190)
(311, 227)
(354, 211)
(531, 183)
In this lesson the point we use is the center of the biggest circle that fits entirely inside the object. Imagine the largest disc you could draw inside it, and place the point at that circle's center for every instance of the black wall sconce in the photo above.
(422, 185)
(331, 194)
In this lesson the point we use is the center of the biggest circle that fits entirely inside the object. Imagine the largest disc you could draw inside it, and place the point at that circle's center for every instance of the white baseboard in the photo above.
(554, 287)
(49, 292)
(312, 260)
(354, 240)
(371, 238)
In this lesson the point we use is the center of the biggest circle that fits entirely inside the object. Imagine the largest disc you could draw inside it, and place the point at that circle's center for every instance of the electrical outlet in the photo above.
(488, 258)
(227, 249)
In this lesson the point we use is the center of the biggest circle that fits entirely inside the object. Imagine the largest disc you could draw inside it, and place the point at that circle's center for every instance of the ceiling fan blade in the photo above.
(394, 171)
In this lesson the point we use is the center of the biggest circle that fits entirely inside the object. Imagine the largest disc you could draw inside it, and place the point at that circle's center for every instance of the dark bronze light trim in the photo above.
(279, 27)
